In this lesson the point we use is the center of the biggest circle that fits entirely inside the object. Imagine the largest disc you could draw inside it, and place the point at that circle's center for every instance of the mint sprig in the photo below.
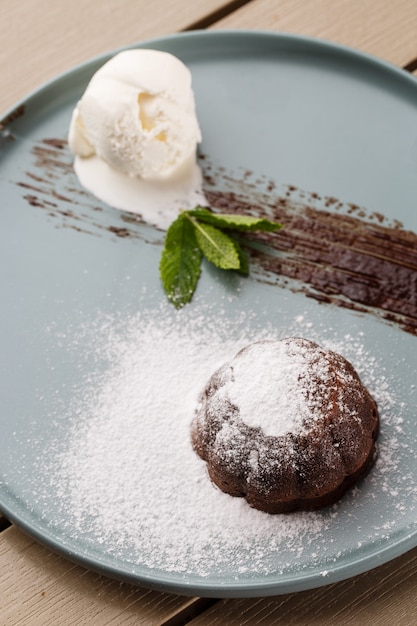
(243, 223)
(180, 264)
(217, 247)
(197, 233)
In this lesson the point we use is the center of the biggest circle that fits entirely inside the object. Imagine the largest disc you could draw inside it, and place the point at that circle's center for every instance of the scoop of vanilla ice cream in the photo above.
(138, 115)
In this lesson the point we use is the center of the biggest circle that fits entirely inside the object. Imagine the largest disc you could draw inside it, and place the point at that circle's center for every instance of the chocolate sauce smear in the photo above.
(10, 118)
(333, 252)
(332, 256)
(51, 184)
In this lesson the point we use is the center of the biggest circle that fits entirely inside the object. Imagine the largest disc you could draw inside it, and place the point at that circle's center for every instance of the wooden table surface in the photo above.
(39, 40)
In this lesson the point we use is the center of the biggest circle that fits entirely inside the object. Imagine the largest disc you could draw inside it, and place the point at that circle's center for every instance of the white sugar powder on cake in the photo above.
(282, 374)
(126, 482)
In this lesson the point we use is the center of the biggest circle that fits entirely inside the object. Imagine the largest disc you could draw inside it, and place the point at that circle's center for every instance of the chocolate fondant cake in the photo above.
(287, 425)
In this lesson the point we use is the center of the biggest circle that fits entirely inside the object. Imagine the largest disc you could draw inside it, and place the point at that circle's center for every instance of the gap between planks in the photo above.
(4, 523)
(217, 15)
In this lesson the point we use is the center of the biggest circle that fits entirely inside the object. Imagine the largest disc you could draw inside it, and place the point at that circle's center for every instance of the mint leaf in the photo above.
(200, 232)
(217, 247)
(180, 264)
(243, 223)
(243, 258)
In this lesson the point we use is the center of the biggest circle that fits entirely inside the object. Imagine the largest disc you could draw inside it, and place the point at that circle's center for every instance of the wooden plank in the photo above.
(385, 29)
(40, 38)
(384, 596)
(40, 587)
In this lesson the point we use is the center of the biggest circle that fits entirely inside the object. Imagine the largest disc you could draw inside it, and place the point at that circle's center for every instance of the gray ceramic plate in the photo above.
(299, 112)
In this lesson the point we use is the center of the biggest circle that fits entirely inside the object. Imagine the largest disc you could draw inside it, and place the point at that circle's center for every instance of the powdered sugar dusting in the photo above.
(127, 479)
(282, 374)
(129, 458)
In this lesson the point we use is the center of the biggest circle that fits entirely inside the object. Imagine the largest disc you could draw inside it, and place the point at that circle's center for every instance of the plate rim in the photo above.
(318, 43)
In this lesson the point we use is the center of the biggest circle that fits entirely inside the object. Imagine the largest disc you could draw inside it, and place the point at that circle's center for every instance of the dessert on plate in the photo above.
(286, 425)
(134, 134)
